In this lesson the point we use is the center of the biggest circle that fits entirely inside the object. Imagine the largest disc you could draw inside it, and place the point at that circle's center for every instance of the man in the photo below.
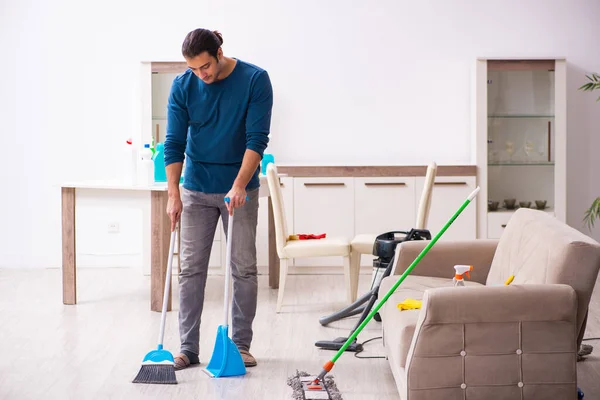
(219, 115)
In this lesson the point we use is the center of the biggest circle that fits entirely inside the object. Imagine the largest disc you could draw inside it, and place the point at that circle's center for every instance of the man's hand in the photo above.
(174, 204)
(237, 198)
(174, 209)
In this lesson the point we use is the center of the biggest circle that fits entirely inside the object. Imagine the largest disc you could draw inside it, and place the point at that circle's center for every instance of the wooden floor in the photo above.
(93, 350)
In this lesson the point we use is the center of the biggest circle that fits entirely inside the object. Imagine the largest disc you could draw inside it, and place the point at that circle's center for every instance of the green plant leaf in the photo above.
(592, 213)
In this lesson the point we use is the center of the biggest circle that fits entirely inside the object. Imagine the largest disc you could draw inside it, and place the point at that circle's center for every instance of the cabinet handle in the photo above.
(385, 184)
(324, 184)
(450, 183)
(503, 225)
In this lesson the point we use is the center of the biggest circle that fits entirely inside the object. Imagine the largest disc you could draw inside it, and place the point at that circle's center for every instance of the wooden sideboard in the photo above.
(350, 200)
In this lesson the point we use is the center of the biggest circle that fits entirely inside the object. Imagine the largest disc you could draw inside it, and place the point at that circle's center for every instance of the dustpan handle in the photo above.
(228, 268)
(228, 262)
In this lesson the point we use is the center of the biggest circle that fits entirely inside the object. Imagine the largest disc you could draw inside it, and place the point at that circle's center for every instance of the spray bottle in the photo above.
(461, 270)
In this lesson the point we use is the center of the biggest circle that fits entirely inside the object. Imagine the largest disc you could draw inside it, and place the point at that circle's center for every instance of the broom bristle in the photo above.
(161, 374)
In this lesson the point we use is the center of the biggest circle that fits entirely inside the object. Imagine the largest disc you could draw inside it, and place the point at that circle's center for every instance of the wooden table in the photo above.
(160, 237)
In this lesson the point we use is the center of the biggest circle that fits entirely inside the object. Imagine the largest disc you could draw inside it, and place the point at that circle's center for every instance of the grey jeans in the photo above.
(201, 212)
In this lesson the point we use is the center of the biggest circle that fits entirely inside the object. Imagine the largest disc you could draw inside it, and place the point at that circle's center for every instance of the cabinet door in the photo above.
(323, 205)
(497, 221)
(449, 192)
(383, 204)
(262, 233)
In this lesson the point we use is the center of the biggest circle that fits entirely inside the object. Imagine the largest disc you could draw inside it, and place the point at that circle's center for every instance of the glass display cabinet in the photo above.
(520, 130)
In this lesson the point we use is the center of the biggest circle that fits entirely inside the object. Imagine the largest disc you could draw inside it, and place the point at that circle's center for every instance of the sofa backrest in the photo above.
(536, 247)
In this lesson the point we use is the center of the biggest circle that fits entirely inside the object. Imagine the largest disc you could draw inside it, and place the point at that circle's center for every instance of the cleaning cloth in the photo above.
(306, 236)
(410, 304)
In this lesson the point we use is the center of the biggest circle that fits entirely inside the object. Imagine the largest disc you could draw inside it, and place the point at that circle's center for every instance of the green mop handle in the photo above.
(329, 364)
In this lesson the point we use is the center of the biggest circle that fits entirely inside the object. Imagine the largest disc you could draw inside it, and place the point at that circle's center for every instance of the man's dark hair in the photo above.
(201, 40)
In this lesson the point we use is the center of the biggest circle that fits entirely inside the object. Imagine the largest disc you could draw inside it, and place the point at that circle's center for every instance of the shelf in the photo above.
(521, 116)
(159, 118)
(516, 163)
(506, 211)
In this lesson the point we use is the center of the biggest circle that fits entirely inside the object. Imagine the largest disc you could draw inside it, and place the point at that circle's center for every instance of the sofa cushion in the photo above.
(399, 326)
(536, 247)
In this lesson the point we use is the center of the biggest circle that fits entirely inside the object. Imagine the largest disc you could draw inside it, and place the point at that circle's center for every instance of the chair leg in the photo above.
(349, 280)
(283, 271)
(355, 257)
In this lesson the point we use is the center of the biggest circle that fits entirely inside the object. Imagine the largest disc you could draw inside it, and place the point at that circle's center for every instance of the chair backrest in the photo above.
(281, 231)
(536, 247)
(425, 202)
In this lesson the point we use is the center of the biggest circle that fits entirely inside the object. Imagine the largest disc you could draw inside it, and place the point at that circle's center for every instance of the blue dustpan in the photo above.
(226, 359)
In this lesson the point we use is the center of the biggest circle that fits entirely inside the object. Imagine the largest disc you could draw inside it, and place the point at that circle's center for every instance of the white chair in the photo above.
(363, 243)
(290, 249)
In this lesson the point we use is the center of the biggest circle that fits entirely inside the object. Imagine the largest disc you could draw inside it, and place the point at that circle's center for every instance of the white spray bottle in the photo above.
(461, 270)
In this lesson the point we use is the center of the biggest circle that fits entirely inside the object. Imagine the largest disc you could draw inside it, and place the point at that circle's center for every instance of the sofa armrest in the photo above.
(444, 255)
(516, 341)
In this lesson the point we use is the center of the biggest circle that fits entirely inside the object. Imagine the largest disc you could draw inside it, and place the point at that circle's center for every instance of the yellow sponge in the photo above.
(410, 304)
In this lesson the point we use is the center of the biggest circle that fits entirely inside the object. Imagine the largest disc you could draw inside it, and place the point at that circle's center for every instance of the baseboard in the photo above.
(264, 270)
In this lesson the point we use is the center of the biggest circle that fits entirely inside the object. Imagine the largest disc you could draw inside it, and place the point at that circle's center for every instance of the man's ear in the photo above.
(219, 54)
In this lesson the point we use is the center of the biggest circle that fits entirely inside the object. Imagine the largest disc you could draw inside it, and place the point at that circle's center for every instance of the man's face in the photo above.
(205, 66)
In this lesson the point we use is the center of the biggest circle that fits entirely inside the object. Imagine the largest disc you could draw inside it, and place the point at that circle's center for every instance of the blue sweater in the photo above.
(213, 125)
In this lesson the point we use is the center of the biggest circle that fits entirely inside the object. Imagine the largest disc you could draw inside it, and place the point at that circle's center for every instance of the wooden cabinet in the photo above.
(349, 205)
(449, 192)
(520, 112)
(496, 223)
(323, 205)
(383, 204)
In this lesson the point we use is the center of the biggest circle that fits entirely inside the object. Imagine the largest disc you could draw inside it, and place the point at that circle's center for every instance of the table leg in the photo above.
(273, 257)
(69, 279)
(161, 235)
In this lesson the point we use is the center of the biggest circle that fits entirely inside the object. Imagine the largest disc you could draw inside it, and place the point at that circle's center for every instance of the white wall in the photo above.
(354, 84)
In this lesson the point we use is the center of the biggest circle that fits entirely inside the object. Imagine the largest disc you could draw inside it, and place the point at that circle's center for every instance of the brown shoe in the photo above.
(182, 361)
(585, 350)
(249, 360)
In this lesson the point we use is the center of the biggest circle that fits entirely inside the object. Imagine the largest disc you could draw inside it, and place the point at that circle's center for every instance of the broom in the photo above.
(318, 388)
(158, 365)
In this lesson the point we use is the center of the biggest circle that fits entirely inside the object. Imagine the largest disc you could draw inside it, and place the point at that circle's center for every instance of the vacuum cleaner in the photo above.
(384, 249)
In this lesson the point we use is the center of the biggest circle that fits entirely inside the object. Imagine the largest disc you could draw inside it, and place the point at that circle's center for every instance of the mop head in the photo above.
(299, 384)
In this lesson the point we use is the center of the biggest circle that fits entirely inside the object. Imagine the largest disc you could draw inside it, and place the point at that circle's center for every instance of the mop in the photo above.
(306, 387)
(158, 365)
(226, 359)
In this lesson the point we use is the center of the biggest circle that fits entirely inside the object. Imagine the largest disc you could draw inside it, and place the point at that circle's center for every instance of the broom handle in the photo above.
(329, 365)
(163, 318)
(228, 268)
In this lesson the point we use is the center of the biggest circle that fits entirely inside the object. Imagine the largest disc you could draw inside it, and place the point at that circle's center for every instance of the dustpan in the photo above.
(226, 359)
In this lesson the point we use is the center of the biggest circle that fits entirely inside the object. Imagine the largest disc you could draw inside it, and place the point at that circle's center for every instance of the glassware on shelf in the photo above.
(510, 149)
(492, 152)
(528, 149)
(541, 151)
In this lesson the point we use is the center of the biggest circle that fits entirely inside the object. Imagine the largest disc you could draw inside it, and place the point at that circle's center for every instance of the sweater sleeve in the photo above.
(258, 118)
(177, 125)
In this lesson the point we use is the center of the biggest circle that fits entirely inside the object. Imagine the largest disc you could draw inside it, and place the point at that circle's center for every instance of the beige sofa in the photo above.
(488, 340)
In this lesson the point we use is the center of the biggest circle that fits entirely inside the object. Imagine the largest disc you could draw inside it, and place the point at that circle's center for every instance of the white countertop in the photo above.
(159, 186)
(117, 185)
